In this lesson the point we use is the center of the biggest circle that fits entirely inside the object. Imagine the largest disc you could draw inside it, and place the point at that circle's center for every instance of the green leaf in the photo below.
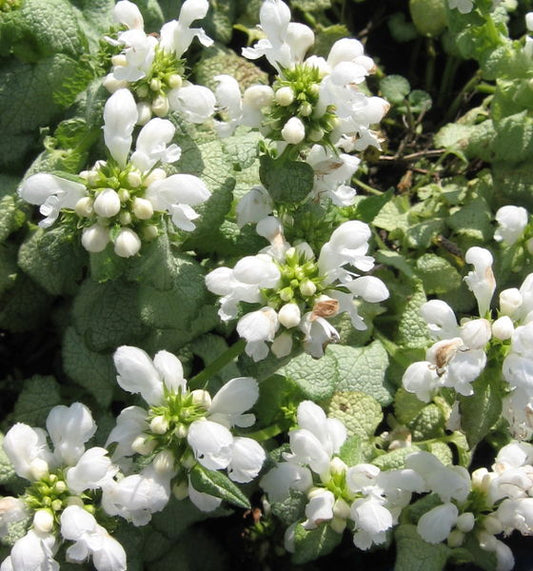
(316, 378)
(369, 207)
(406, 406)
(54, 259)
(292, 508)
(314, 543)
(39, 29)
(514, 139)
(394, 215)
(414, 554)
(20, 118)
(350, 452)
(394, 88)
(39, 394)
(437, 274)
(24, 306)
(473, 220)
(360, 413)
(93, 371)
(288, 182)
(394, 460)
(480, 411)
(363, 369)
(278, 395)
(217, 484)
(8, 266)
(107, 315)
(412, 329)
(513, 184)
(311, 5)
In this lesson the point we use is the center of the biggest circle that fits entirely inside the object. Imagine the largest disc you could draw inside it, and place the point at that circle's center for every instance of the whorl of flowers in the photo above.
(153, 68)
(299, 293)
(313, 100)
(179, 429)
(122, 200)
(62, 499)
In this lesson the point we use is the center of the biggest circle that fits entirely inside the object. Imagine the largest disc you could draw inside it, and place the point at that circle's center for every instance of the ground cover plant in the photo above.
(266, 292)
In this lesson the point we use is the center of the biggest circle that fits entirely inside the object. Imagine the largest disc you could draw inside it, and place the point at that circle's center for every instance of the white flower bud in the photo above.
(510, 301)
(144, 112)
(60, 487)
(143, 445)
(466, 522)
(293, 131)
(160, 106)
(289, 315)
(38, 469)
(155, 84)
(43, 521)
(258, 96)
(307, 288)
(84, 207)
(125, 218)
(142, 208)
(338, 524)
(181, 490)
(305, 109)
(511, 223)
(124, 195)
(112, 84)
(341, 509)
(284, 96)
(456, 538)
(134, 179)
(476, 333)
(95, 238)
(150, 232)
(159, 425)
(93, 176)
(119, 60)
(503, 328)
(201, 398)
(154, 176)
(282, 345)
(164, 462)
(337, 466)
(107, 203)
(175, 81)
(127, 243)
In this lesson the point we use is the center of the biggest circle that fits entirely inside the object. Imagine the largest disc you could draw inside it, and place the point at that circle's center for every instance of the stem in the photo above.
(430, 67)
(366, 187)
(456, 103)
(221, 361)
(266, 433)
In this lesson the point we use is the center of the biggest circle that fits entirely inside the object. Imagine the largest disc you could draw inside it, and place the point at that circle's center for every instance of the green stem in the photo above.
(201, 378)
(470, 85)
(366, 187)
(430, 66)
(266, 433)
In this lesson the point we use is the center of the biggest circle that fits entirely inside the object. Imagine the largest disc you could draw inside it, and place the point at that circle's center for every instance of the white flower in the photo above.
(52, 194)
(254, 206)
(120, 116)
(319, 508)
(232, 400)
(257, 328)
(91, 539)
(195, 102)
(127, 243)
(436, 524)
(95, 238)
(11, 510)
(481, 280)
(511, 223)
(177, 35)
(284, 477)
(35, 550)
(294, 131)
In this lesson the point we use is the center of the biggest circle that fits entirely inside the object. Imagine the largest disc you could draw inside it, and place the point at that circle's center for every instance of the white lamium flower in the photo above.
(212, 444)
(258, 328)
(440, 318)
(372, 519)
(91, 539)
(137, 373)
(95, 238)
(504, 555)
(52, 194)
(516, 514)
(319, 508)
(153, 146)
(120, 116)
(204, 502)
(195, 102)
(138, 496)
(92, 471)
(284, 477)
(229, 404)
(422, 379)
(247, 459)
(294, 131)
(254, 206)
(35, 550)
(128, 13)
(69, 429)
(177, 35)
(481, 280)
(503, 328)
(436, 524)
(512, 221)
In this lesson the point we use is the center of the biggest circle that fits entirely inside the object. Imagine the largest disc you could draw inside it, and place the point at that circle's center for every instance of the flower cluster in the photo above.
(125, 198)
(153, 69)
(62, 498)
(360, 497)
(179, 429)
(299, 293)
